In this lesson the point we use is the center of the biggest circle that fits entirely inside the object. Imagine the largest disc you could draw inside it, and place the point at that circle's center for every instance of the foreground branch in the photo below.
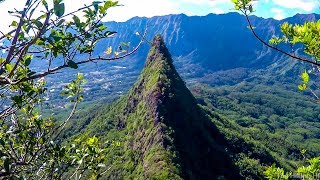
(4, 80)
(275, 48)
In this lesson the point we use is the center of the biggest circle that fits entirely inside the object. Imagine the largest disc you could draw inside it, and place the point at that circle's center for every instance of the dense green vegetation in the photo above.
(162, 133)
(296, 36)
(286, 115)
(281, 120)
(159, 130)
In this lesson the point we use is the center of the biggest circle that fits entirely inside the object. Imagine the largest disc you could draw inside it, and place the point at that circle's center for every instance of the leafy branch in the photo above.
(306, 35)
(30, 144)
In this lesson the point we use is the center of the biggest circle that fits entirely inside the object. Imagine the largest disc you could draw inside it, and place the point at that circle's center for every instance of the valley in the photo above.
(201, 98)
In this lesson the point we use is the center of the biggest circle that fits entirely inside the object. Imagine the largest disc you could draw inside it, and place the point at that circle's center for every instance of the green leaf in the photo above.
(96, 5)
(92, 141)
(302, 87)
(79, 76)
(57, 1)
(27, 60)
(250, 8)
(60, 22)
(14, 24)
(72, 64)
(44, 2)
(37, 23)
(9, 67)
(59, 9)
(18, 100)
(102, 27)
(2, 142)
(56, 38)
(305, 77)
(76, 20)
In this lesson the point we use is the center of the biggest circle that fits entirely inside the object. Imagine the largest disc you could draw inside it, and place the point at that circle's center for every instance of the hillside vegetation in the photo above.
(163, 133)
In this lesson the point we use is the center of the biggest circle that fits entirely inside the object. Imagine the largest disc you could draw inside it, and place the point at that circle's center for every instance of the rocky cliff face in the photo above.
(208, 43)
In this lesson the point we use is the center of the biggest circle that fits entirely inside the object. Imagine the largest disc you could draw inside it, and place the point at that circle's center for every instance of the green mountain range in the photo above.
(163, 132)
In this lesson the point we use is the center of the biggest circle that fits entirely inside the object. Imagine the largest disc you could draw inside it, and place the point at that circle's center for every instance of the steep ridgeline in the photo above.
(164, 133)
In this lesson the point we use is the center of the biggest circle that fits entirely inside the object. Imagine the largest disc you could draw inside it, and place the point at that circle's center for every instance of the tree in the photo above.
(44, 32)
(310, 171)
(306, 35)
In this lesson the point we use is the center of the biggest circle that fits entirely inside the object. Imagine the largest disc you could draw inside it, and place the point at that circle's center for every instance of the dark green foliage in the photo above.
(282, 121)
(234, 132)
(163, 133)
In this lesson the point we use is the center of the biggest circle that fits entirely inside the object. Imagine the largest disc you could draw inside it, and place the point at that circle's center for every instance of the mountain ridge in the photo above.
(165, 134)
(200, 41)
(159, 117)
(201, 46)
(228, 13)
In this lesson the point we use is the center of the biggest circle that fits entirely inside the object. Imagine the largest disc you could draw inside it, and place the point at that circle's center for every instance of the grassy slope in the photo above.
(164, 134)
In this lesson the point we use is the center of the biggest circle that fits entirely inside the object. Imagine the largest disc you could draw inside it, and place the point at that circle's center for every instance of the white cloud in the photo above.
(10, 5)
(206, 2)
(143, 8)
(218, 10)
(150, 8)
(219, 2)
(131, 8)
(196, 1)
(278, 13)
(5, 18)
(305, 5)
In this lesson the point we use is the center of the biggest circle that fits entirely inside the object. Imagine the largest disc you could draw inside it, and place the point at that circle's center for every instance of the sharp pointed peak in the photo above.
(158, 51)
(158, 41)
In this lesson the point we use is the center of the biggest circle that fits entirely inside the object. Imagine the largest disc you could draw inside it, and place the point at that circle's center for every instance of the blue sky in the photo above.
(280, 9)
(277, 9)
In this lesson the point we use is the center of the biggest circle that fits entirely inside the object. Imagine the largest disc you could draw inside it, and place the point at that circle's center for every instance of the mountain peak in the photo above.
(165, 134)
(177, 126)
(158, 51)
(158, 41)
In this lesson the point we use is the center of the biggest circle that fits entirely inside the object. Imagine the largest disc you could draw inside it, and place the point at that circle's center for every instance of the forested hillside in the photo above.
(258, 116)
(221, 96)
(163, 133)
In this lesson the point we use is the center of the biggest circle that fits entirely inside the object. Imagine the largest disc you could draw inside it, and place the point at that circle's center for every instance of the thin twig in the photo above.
(53, 70)
(275, 48)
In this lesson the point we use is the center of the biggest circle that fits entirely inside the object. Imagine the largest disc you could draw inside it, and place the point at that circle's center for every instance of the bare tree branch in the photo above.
(275, 48)
(4, 80)
(17, 32)
(25, 49)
